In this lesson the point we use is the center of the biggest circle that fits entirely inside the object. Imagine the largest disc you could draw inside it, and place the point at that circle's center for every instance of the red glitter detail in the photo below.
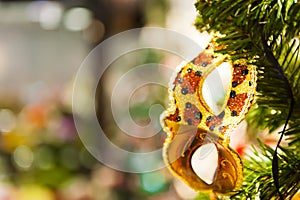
(203, 58)
(214, 121)
(237, 103)
(189, 115)
(176, 81)
(190, 82)
(237, 74)
(173, 117)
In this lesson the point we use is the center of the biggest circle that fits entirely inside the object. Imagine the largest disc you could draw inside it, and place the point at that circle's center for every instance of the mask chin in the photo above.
(203, 161)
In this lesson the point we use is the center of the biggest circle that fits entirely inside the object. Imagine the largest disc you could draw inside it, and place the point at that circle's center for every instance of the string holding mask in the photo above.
(197, 146)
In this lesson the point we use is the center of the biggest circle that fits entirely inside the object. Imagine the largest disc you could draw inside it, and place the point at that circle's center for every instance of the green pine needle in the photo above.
(245, 23)
(258, 182)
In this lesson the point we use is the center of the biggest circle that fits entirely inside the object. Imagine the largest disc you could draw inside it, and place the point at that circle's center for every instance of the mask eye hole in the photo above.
(204, 162)
(215, 86)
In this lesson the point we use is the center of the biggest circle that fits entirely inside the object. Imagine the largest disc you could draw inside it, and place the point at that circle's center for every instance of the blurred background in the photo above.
(42, 45)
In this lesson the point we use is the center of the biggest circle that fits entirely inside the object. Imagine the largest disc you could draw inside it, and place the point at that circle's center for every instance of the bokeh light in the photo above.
(153, 182)
(8, 120)
(77, 19)
(44, 158)
(23, 157)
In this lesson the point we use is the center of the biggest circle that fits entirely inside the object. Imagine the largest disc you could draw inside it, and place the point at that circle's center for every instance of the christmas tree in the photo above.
(266, 32)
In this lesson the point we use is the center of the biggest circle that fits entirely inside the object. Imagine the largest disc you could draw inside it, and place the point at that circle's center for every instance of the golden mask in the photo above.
(195, 132)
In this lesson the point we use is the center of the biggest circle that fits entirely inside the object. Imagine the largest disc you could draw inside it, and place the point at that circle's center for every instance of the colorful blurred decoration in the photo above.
(41, 155)
(153, 182)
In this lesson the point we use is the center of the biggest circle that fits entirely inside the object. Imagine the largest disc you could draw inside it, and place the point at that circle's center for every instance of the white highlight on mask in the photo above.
(204, 162)
(215, 86)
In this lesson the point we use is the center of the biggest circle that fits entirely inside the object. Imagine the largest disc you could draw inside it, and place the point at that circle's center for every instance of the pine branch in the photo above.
(258, 182)
(271, 107)
(240, 21)
(272, 60)
(277, 59)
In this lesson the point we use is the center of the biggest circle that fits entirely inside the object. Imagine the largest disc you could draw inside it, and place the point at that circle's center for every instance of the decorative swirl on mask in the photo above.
(190, 123)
